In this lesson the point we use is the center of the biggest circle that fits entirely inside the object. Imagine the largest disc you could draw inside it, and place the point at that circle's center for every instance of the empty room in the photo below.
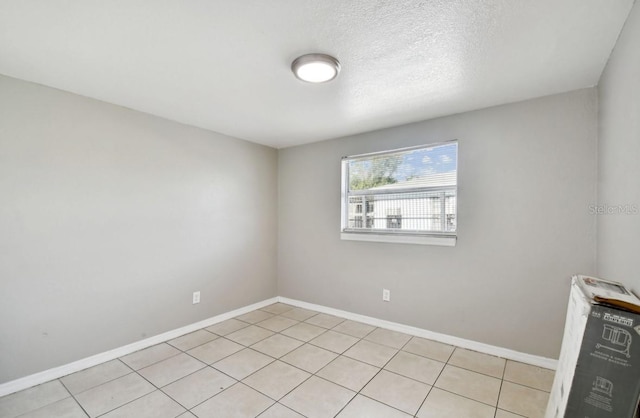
(279, 209)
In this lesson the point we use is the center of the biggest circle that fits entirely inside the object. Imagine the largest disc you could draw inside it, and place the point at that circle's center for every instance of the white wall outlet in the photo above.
(386, 295)
(196, 297)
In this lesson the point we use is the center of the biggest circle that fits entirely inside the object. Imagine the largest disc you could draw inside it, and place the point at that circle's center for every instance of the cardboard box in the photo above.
(598, 373)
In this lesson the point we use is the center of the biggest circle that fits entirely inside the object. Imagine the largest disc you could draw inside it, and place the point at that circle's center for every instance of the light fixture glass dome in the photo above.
(315, 68)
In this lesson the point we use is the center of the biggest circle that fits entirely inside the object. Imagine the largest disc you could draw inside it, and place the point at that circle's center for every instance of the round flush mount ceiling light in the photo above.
(315, 68)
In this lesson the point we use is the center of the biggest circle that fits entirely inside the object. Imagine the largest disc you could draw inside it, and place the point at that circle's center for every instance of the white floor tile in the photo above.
(277, 345)
(318, 398)
(416, 367)
(227, 327)
(66, 408)
(430, 349)
(194, 339)
(309, 358)
(324, 320)
(527, 375)
(363, 407)
(372, 353)
(215, 350)
(397, 391)
(114, 394)
(198, 387)
(334, 341)
(243, 363)
(249, 335)
(239, 401)
(171, 369)
(95, 376)
(353, 328)
(277, 379)
(442, 404)
(478, 362)
(522, 400)
(280, 411)
(389, 338)
(277, 323)
(277, 308)
(148, 356)
(32, 399)
(153, 405)
(303, 331)
(347, 372)
(476, 386)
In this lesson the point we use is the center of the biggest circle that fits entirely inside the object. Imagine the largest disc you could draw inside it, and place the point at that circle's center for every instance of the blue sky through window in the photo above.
(403, 166)
(425, 161)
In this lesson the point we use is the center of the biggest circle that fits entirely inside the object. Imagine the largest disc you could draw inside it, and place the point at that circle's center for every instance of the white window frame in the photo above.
(401, 237)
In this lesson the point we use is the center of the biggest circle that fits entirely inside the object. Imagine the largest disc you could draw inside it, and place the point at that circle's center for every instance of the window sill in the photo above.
(445, 241)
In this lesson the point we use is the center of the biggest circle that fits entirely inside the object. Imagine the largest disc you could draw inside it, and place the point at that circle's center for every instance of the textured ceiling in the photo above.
(223, 65)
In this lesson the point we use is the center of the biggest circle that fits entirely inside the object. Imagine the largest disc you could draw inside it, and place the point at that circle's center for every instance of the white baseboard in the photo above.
(61, 371)
(493, 350)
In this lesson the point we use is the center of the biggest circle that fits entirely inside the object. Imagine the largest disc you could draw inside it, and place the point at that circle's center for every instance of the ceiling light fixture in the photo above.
(315, 68)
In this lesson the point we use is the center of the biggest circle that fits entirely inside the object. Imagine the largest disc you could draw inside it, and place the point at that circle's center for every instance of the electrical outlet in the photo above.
(196, 297)
(386, 295)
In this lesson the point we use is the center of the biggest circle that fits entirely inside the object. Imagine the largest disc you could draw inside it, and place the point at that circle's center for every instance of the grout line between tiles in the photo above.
(472, 371)
(466, 397)
(50, 403)
(292, 389)
(74, 397)
(132, 400)
(458, 394)
(375, 375)
(206, 365)
(504, 370)
(315, 374)
(385, 404)
(190, 348)
(526, 386)
(150, 364)
(336, 352)
(92, 387)
(277, 332)
(236, 381)
(434, 384)
(80, 406)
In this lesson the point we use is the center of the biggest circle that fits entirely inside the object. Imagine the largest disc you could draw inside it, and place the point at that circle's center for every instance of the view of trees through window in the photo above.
(378, 171)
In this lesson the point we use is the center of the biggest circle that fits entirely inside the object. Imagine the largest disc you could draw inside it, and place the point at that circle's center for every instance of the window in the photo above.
(406, 195)
(394, 221)
(394, 218)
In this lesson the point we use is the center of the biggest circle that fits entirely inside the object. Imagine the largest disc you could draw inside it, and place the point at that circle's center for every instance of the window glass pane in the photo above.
(423, 167)
(406, 191)
(415, 211)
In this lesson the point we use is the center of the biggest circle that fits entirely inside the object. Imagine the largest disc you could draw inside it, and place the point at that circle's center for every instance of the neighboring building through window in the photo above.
(405, 192)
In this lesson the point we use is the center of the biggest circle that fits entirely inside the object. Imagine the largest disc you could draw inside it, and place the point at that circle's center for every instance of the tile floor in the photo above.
(281, 361)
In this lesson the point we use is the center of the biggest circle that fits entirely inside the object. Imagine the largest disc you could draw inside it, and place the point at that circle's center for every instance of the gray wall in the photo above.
(111, 218)
(619, 158)
(527, 175)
